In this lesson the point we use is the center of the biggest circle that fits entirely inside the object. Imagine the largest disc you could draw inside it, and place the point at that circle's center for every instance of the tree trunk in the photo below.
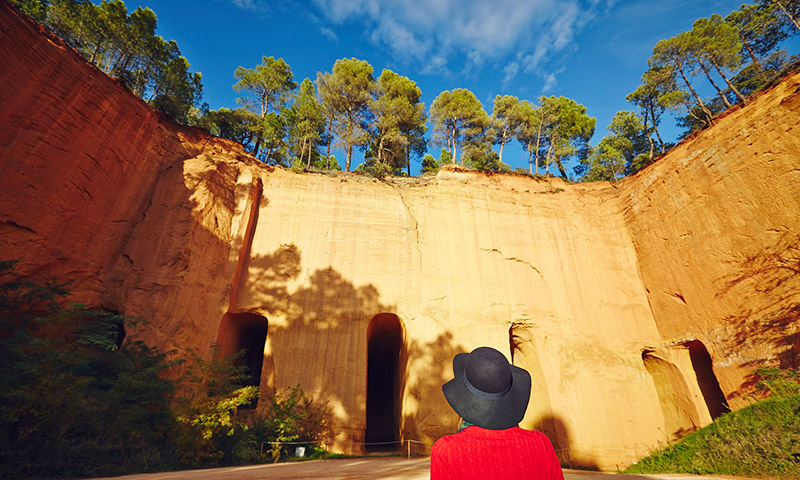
(655, 129)
(795, 21)
(349, 151)
(454, 147)
(730, 85)
(502, 144)
(408, 160)
(538, 143)
(269, 154)
(547, 159)
(258, 145)
(697, 97)
(719, 90)
(754, 58)
(530, 160)
(649, 139)
(380, 149)
(307, 143)
(561, 169)
(330, 138)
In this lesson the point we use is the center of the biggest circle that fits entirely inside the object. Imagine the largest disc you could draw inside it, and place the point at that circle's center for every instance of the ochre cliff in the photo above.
(639, 308)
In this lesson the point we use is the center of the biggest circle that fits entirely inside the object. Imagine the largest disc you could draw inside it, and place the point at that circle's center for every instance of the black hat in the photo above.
(487, 391)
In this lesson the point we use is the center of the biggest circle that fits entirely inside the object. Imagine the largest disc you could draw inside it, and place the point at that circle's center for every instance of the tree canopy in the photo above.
(283, 123)
(125, 46)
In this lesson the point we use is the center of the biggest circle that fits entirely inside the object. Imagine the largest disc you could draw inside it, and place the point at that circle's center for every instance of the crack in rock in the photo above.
(514, 259)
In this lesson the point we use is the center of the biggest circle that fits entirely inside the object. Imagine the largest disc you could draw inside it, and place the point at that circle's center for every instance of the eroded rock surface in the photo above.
(629, 304)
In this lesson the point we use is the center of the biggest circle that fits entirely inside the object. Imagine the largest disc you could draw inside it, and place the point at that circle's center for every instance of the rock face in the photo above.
(640, 309)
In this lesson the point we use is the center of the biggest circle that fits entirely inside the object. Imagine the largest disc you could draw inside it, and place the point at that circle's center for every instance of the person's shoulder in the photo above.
(443, 441)
(529, 435)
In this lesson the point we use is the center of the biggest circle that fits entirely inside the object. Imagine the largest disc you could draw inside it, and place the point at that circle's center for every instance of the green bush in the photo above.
(761, 439)
(205, 409)
(79, 399)
(292, 417)
(75, 398)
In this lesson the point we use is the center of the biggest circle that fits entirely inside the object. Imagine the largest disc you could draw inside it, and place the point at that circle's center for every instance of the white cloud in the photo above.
(528, 31)
(510, 73)
(254, 5)
(329, 34)
(551, 80)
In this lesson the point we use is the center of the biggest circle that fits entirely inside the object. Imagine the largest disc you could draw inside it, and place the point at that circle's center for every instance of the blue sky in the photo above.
(593, 51)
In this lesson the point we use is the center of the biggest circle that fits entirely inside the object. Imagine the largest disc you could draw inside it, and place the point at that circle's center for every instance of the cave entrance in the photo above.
(674, 397)
(687, 388)
(244, 332)
(706, 379)
(386, 362)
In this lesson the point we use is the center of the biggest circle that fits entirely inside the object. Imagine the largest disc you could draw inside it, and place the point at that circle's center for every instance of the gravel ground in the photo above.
(363, 468)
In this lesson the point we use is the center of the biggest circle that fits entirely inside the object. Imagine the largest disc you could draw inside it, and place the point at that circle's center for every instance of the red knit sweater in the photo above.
(479, 453)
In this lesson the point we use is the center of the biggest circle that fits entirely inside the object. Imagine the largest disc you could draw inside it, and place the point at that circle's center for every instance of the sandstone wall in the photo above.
(100, 190)
(625, 302)
(716, 225)
(461, 259)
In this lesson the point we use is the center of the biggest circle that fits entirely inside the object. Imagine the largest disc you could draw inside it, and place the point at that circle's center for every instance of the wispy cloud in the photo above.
(527, 32)
(252, 5)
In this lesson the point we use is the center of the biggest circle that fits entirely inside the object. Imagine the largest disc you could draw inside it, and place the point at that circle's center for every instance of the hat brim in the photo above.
(496, 414)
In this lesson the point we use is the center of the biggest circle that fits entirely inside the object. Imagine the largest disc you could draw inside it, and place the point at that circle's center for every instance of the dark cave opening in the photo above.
(245, 332)
(706, 379)
(386, 357)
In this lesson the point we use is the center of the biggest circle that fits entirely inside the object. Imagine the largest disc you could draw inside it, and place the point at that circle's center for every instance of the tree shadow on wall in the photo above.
(317, 334)
(431, 417)
(327, 299)
(557, 431)
(774, 273)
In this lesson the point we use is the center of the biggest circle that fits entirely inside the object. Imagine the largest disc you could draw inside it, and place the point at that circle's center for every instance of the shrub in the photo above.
(292, 417)
(76, 398)
(761, 439)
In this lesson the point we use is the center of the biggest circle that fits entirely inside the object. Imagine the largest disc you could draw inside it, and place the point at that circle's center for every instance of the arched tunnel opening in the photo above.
(680, 415)
(246, 333)
(386, 359)
(706, 379)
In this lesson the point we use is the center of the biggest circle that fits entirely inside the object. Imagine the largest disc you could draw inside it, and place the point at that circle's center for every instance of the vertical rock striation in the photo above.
(640, 309)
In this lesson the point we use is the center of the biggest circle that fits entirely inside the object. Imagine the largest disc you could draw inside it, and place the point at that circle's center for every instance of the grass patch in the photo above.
(761, 439)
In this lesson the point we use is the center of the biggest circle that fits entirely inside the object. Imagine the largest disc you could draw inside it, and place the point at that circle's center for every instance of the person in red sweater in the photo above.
(491, 396)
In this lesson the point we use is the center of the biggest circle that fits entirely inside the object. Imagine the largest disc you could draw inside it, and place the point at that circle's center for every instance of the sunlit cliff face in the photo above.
(639, 308)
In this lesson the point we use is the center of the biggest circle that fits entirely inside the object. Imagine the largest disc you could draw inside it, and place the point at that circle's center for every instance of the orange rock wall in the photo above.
(716, 225)
(610, 295)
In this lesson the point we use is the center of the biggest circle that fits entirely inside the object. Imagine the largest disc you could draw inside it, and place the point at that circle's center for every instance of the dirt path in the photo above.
(362, 468)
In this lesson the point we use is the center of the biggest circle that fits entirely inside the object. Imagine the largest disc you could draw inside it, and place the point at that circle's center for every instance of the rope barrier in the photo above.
(407, 441)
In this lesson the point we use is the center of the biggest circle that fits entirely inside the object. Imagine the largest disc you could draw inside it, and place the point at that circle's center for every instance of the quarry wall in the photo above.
(639, 308)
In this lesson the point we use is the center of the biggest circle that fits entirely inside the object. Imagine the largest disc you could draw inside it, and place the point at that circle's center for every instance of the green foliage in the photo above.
(429, 164)
(399, 123)
(204, 408)
(620, 152)
(293, 417)
(760, 440)
(75, 399)
(307, 123)
(565, 131)
(35, 9)
(239, 125)
(125, 46)
(778, 382)
(269, 86)
(347, 95)
(458, 118)
(78, 398)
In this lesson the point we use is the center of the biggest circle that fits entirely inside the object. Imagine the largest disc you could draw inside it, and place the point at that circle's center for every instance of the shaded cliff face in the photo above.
(101, 190)
(637, 308)
(716, 225)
